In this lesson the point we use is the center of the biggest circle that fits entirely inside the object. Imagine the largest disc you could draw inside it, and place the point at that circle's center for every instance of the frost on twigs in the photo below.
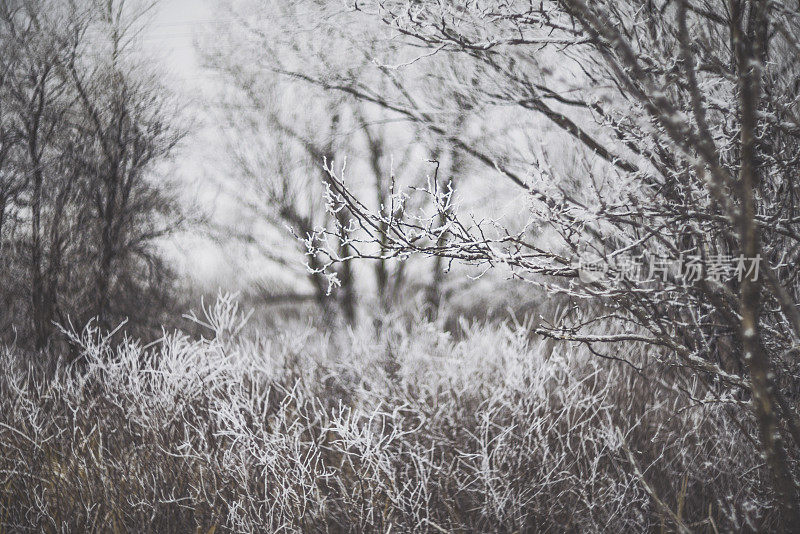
(307, 432)
(223, 318)
(419, 220)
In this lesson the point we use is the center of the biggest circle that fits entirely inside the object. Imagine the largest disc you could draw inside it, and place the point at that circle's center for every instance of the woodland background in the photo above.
(405, 190)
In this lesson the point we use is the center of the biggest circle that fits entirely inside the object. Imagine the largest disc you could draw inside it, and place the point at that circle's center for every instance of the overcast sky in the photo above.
(170, 36)
(170, 40)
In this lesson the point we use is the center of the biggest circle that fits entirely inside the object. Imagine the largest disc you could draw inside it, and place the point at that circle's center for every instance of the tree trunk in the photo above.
(755, 356)
(40, 321)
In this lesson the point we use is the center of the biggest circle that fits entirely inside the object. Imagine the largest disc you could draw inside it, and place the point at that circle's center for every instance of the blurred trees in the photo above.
(284, 132)
(83, 125)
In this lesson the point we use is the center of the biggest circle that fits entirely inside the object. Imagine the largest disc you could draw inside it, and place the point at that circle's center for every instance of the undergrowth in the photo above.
(411, 430)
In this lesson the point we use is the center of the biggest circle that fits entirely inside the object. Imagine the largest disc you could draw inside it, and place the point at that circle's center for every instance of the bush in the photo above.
(411, 431)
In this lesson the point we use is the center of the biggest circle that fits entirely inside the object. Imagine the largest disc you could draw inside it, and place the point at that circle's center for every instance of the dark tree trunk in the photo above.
(748, 52)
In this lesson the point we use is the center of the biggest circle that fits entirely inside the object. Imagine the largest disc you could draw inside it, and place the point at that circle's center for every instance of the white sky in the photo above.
(171, 33)
(170, 41)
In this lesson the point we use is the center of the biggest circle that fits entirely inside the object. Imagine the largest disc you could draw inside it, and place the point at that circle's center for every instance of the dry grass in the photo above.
(410, 431)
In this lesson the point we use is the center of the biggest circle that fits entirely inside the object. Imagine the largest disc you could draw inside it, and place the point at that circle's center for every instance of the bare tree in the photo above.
(37, 103)
(131, 121)
(82, 128)
(684, 117)
(281, 142)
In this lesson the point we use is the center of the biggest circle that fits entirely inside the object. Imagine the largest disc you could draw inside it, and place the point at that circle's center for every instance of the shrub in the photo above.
(411, 431)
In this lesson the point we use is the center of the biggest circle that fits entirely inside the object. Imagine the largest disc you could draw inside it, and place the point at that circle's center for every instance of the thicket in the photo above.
(411, 431)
